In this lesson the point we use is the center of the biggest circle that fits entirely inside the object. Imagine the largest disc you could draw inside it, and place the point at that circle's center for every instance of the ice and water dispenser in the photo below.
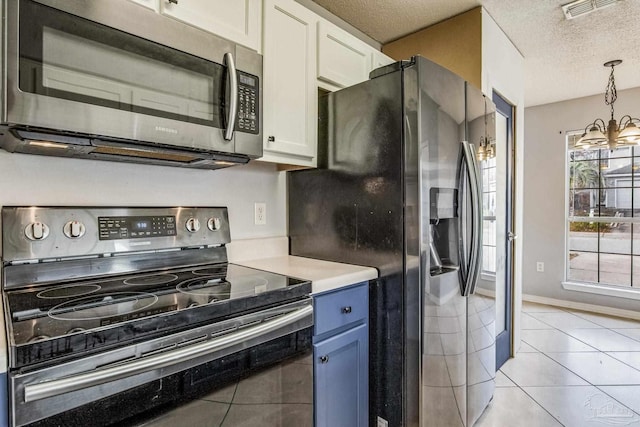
(443, 230)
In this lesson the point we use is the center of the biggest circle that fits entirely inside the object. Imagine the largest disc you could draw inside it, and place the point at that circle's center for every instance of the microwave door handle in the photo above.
(233, 101)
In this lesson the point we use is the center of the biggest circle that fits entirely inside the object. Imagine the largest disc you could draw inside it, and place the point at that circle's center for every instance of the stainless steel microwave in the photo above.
(112, 80)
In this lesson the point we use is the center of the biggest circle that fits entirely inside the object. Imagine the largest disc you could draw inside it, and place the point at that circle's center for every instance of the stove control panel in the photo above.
(31, 234)
(135, 227)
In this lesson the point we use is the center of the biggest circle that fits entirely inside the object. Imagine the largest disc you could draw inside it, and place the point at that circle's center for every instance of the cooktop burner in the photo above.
(205, 271)
(154, 279)
(215, 287)
(67, 291)
(65, 320)
(103, 306)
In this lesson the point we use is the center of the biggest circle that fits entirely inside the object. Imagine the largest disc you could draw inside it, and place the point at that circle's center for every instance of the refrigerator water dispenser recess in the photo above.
(443, 230)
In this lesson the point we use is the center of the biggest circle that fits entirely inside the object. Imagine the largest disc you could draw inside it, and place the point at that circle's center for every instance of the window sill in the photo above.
(602, 290)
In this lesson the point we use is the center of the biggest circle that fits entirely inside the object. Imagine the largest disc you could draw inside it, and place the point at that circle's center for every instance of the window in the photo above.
(603, 232)
(488, 169)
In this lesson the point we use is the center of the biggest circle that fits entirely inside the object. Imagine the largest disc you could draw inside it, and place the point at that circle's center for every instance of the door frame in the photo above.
(504, 340)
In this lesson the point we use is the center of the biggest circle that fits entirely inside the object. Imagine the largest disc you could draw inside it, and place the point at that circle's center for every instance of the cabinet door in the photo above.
(341, 379)
(151, 4)
(379, 59)
(237, 20)
(290, 106)
(343, 59)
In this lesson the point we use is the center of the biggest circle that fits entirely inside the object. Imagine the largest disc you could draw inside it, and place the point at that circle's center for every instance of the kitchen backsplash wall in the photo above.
(48, 181)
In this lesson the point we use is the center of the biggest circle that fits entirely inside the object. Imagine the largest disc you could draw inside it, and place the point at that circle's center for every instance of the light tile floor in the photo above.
(574, 369)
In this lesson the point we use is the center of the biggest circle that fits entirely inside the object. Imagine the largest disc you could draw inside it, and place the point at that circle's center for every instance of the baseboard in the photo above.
(601, 309)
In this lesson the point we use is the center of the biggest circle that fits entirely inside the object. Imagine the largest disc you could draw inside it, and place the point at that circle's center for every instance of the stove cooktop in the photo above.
(72, 319)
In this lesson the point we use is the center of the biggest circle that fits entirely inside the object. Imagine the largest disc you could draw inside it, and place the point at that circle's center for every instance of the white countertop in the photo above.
(324, 275)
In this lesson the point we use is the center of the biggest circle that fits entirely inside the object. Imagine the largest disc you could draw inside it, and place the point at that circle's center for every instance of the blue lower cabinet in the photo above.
(341, 386)
(341, 358)
(4, 401)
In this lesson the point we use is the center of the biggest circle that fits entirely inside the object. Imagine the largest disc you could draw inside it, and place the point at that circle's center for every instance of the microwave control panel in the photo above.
(248, 90)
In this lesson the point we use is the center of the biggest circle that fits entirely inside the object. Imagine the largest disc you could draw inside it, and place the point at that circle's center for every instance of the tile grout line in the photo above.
(534, 400)
(597, 387)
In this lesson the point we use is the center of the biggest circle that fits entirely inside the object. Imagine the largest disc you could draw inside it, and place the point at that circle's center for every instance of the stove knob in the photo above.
(213, 224)
(193, 225)
(74, 229)
(36, 231)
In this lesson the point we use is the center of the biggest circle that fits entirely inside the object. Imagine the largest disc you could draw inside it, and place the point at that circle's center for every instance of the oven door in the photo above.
(117, 70)
(215, 360)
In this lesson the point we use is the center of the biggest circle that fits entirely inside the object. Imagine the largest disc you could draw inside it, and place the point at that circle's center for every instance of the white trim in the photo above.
(620, 219)
(486, 292)
(444, 298)
(610, 311)
(567, 201)
(602, 290)
(488, 275)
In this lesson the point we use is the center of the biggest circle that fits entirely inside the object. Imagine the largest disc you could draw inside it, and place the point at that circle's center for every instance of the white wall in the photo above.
(544, 197)
(28, 180)
(503, 72)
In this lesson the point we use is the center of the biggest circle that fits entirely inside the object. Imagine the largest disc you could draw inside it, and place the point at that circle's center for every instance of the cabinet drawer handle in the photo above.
(324, 359)
(271, 139)
(173, 1)
(346, 310)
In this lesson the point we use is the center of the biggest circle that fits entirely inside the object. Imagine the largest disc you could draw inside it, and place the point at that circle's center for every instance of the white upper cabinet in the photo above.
(343, 60)
(151, 4)
(289, 92)
(379, 59)
(236, 20)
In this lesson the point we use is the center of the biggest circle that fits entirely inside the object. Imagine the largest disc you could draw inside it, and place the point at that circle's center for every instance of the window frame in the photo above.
(631, 291)
(490, 274)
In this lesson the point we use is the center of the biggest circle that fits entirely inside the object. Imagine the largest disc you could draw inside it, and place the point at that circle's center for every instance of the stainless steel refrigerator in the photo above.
(399, 188)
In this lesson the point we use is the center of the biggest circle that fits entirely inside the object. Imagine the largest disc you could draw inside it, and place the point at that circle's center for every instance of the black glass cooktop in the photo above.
(76, 318)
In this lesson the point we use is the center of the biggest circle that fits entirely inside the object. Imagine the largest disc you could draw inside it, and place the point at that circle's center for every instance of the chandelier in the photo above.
(599, 135)
(486, 145)
(486, 148)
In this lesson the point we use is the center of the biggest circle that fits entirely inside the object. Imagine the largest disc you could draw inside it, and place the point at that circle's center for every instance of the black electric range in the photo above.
(106, 305)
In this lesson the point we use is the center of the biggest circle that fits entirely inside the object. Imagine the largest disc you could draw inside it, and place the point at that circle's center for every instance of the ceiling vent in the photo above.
(582, 7)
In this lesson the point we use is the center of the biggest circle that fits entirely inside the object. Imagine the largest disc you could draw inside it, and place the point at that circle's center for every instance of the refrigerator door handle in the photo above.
(463, 175)
(473, 171)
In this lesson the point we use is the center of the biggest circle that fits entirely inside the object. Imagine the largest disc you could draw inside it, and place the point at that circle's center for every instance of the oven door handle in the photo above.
(33, 392)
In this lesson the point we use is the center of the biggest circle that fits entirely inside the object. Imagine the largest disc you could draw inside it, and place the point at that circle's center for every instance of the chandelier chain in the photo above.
(611, 94)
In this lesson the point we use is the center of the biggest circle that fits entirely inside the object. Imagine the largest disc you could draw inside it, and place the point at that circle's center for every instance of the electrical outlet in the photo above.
(540, 266)
(260, 213)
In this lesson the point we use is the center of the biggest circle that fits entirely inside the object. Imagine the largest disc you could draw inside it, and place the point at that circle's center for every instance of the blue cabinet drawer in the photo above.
(341, 308)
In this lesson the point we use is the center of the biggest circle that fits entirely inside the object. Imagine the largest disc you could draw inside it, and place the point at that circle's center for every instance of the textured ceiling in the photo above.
(563, 59)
